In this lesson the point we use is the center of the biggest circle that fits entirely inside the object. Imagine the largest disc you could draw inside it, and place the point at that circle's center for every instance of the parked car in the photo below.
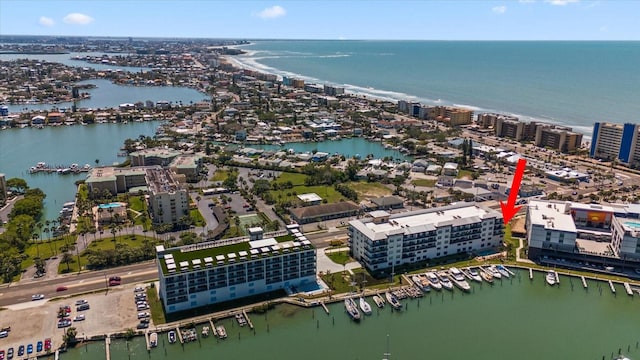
(81, 302)
(21, 350)
(142, 315)
(138, 289)
(10, 353)
(37, 297)
(29, 348)
(1, 354)
(142, 325)
(83, 307)
(4, 334)
(62, 288)
(79, 318)
(47, 344)
(39, 346)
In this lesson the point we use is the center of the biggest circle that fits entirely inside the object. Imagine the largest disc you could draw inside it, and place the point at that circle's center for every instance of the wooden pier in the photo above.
(628, 289)
(326, 309)
(146, 339)
(613, 288)
(213, 328)
(244, 313)
(557, 277)
(509, 271)
(56, 356)
(179, 335)
(107, 342)
(530, 274)
(584, 281)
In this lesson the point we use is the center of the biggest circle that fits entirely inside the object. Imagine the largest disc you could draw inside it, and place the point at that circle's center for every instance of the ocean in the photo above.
(572, 83)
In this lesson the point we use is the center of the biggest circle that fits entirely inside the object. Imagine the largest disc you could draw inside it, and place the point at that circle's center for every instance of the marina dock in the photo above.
(613, 288)
(509, 271)
(107, 342)
(244, 313)
(146, 339)
(56, 356)
(179, 335)
(628, 289)
(557, 277)
(326, 309)
(584, 281)
(213, 328)
(530, 274)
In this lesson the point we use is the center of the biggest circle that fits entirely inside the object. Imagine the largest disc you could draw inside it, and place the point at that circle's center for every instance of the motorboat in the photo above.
(458, 279)
(393, 300)
(172, 336)
(434, 283)
(364, 306)
(494, 271)
(352, 309)
(421, 283)
(503, 271)
(221, 331)
(205, 331)
(551, 277)
(444, 280)
(474, 274)
(153, 339)
(486, 276)
(378, 300)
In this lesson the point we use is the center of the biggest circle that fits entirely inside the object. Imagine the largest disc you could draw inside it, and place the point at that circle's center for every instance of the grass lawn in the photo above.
(464, 174)
(424, 182)
(338, 282)
(369, 189)
(232, 232)
(155, 306)
(339, 257)
(46, 249)
(220, 175)
(198, 220)
(325, 192)
(295, 178)
(137, 204)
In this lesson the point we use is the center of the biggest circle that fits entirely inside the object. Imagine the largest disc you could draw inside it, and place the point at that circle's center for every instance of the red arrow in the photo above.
(510, 209)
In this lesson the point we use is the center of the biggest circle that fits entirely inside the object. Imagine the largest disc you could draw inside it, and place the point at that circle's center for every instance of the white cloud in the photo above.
(526, 1)
(604, 28)
(499, 9)
(46, 21)
(273, 12)
(77, 19)
(561, 2)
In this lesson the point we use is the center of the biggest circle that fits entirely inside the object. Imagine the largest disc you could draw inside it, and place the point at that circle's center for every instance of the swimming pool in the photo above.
(109, 205)
(633, 224)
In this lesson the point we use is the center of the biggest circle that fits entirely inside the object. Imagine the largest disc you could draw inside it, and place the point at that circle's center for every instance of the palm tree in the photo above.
(67, 258)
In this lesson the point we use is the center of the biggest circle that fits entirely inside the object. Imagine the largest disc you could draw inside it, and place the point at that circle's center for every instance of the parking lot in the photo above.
(35, 321)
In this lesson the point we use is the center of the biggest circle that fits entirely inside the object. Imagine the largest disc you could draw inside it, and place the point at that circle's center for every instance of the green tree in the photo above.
(17, 185)
(67, 258)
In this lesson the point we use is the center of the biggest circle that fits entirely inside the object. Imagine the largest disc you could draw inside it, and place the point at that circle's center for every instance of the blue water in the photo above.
(109, 205)
(570, 83)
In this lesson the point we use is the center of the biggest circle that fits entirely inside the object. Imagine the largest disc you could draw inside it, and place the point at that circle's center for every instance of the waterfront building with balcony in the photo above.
(382, 241)
(226, 270)
(619, 142)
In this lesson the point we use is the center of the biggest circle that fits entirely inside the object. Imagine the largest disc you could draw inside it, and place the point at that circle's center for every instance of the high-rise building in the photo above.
(213, 272)
(557, 138)
(616, 142)
(383, 241)
(509, 127)
(168, 201)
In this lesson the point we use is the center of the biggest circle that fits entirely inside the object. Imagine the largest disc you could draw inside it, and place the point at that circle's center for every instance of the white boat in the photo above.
(153, 339)
(486, 276)
(503, 271)
(421, 283)
(364, 306)
(458, 279)
(391, 299)
(434, 283)
(172, 336)
(352, 309)
(493, 271)
(551, 278)
(475, 276)
(222, 332)
(205, 331)
(378, 300)
(444, 280)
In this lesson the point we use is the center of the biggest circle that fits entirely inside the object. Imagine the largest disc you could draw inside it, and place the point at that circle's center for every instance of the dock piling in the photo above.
(584, 281)
(613, 289)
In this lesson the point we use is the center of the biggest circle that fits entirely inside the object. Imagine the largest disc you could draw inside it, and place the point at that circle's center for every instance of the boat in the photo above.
(486, 276)
(494, 271)
(503, 271)
(391, 299)
(241, 320)
(364, 306)
(222, 332)
(205, 331)
(352, 309)
(153, 339)
(458, 279)
(378, 300)
(551, 277)
(434, 283)
(444, 280)
(172, 336)
(421, 283)
(473, 274)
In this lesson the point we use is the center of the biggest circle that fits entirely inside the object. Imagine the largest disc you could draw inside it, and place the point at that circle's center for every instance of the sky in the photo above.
(383, 20)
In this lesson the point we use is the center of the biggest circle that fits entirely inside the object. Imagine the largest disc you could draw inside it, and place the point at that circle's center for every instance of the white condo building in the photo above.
(224, 270)
(382, 240)
(626, 237)
(168, 200)
(550, 225)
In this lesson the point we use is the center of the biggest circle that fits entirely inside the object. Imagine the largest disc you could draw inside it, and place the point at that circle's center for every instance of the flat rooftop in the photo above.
(552, 215)
(219, 253)
(426, 220)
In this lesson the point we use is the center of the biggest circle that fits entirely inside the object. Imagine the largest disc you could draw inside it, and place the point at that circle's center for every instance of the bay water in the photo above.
(513, 319)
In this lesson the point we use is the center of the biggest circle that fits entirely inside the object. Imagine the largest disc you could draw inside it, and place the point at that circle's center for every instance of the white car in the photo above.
(138, 289)
(81, 302)
(37, 297)
(143, 315)
(79, 318)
